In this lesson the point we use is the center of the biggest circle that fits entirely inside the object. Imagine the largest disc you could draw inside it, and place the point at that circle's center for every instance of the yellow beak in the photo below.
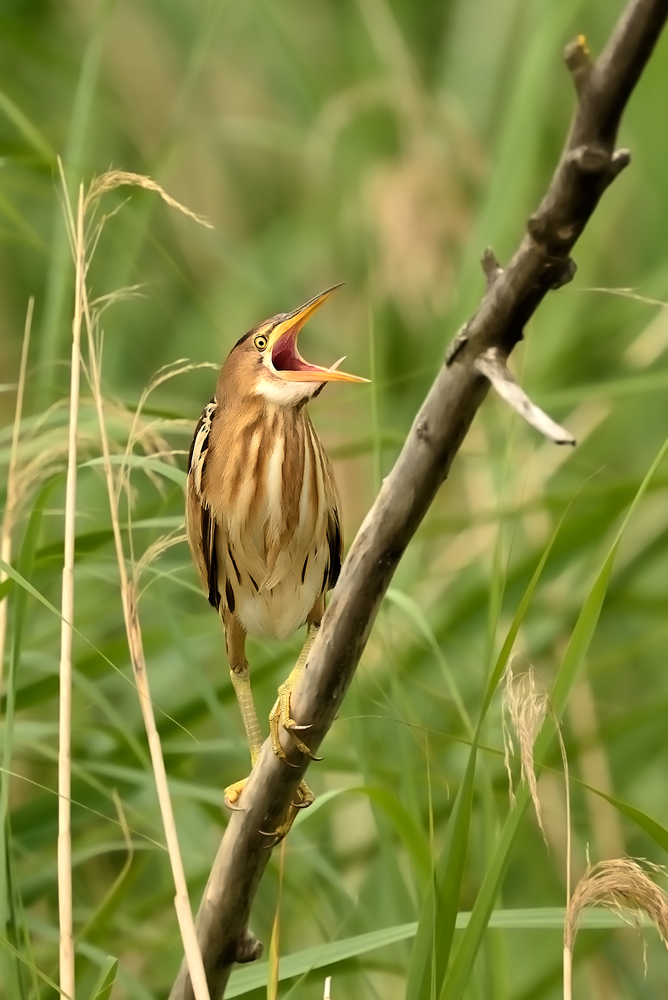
(284, 358)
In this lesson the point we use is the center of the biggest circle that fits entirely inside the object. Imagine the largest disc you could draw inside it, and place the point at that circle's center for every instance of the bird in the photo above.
(262, 511)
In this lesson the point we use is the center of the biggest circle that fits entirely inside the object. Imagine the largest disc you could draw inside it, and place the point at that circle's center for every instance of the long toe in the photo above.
(291, 728)
(280, 716)
(232, 793)
(305, 797)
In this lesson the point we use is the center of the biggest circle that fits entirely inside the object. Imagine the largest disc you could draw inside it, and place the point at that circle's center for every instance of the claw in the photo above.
(278, 837)
(291, 726)
(280, 714)
(302, 805)
(305, 799)
(282, 831)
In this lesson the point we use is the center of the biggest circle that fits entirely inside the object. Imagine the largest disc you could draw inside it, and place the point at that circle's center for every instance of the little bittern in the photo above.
(262, 511)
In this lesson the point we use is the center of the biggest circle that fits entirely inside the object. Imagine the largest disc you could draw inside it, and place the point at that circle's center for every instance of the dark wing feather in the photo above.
(200, 442)
(200, 525)
(208, 535)
(335, 543)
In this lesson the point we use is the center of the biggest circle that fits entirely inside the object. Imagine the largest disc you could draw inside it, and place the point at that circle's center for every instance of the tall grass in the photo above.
(385, 144)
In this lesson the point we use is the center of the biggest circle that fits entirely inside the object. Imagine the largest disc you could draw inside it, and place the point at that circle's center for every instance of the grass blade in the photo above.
(106, 980)
(30, 132)
(10, 512)
(439, 909)
(428, 964)
(243, 981)
(10, 904)
(462, 965)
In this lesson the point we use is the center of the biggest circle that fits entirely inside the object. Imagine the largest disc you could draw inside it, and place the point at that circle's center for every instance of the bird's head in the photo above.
(270, 365)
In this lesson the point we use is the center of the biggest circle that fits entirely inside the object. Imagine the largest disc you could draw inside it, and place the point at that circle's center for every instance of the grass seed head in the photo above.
(623, 886)
(526, 705)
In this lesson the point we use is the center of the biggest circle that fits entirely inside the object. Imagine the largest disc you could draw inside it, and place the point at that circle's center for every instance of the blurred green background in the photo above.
(383, 143)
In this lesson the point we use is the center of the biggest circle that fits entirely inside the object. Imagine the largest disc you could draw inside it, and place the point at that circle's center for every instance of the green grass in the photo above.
(384, 144)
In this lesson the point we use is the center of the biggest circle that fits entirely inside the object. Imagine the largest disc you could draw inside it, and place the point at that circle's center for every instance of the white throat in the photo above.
(283, 393)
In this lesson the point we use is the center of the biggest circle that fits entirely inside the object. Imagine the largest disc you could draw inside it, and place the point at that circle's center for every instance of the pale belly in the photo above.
(278, 612)
(272, 597)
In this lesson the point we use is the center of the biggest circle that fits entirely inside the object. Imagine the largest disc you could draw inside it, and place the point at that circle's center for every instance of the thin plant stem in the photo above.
(66, 953)
(133, 632)
(129, 599)
(375, 422)
(568, 974)
(568, 954)
(275, 945)
(9, 515)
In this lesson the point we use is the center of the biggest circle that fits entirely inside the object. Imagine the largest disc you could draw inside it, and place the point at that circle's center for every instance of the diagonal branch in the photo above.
(589, 163)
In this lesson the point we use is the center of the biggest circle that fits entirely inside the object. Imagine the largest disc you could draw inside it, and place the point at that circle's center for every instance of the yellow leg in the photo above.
(280, 716)
(235, 638)
(280, 713)
(241, 682)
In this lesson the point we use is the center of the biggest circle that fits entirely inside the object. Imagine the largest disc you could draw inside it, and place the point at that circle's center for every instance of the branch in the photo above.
(589, 163)
(492, 364)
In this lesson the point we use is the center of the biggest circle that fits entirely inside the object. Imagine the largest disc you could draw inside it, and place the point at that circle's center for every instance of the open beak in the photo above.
(286, 361)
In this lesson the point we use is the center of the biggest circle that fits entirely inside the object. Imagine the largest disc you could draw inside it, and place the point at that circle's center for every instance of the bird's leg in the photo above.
(280, 713)
(235, 640)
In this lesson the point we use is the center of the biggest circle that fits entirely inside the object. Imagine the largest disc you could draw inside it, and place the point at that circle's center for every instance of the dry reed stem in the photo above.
(527, 707)
(66, 977)
(129, 597)
(13, 493)
(622, 886)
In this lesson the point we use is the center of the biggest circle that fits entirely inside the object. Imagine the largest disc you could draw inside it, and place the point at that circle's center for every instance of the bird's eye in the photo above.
(260, 342)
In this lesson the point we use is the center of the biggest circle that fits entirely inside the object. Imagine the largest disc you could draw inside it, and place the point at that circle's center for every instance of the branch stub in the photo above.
(578, 60)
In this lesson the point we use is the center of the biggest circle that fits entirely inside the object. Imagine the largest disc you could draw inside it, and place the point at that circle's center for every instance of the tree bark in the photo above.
(588, 164)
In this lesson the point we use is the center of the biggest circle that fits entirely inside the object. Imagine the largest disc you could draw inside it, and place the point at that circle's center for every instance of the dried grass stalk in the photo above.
(527, 707)
(67, 980)
(129, 593)
(622, 886)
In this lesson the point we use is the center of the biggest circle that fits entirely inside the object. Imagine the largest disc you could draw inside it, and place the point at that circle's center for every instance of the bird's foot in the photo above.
(232, 793)
(305, 798)
(280, 716)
